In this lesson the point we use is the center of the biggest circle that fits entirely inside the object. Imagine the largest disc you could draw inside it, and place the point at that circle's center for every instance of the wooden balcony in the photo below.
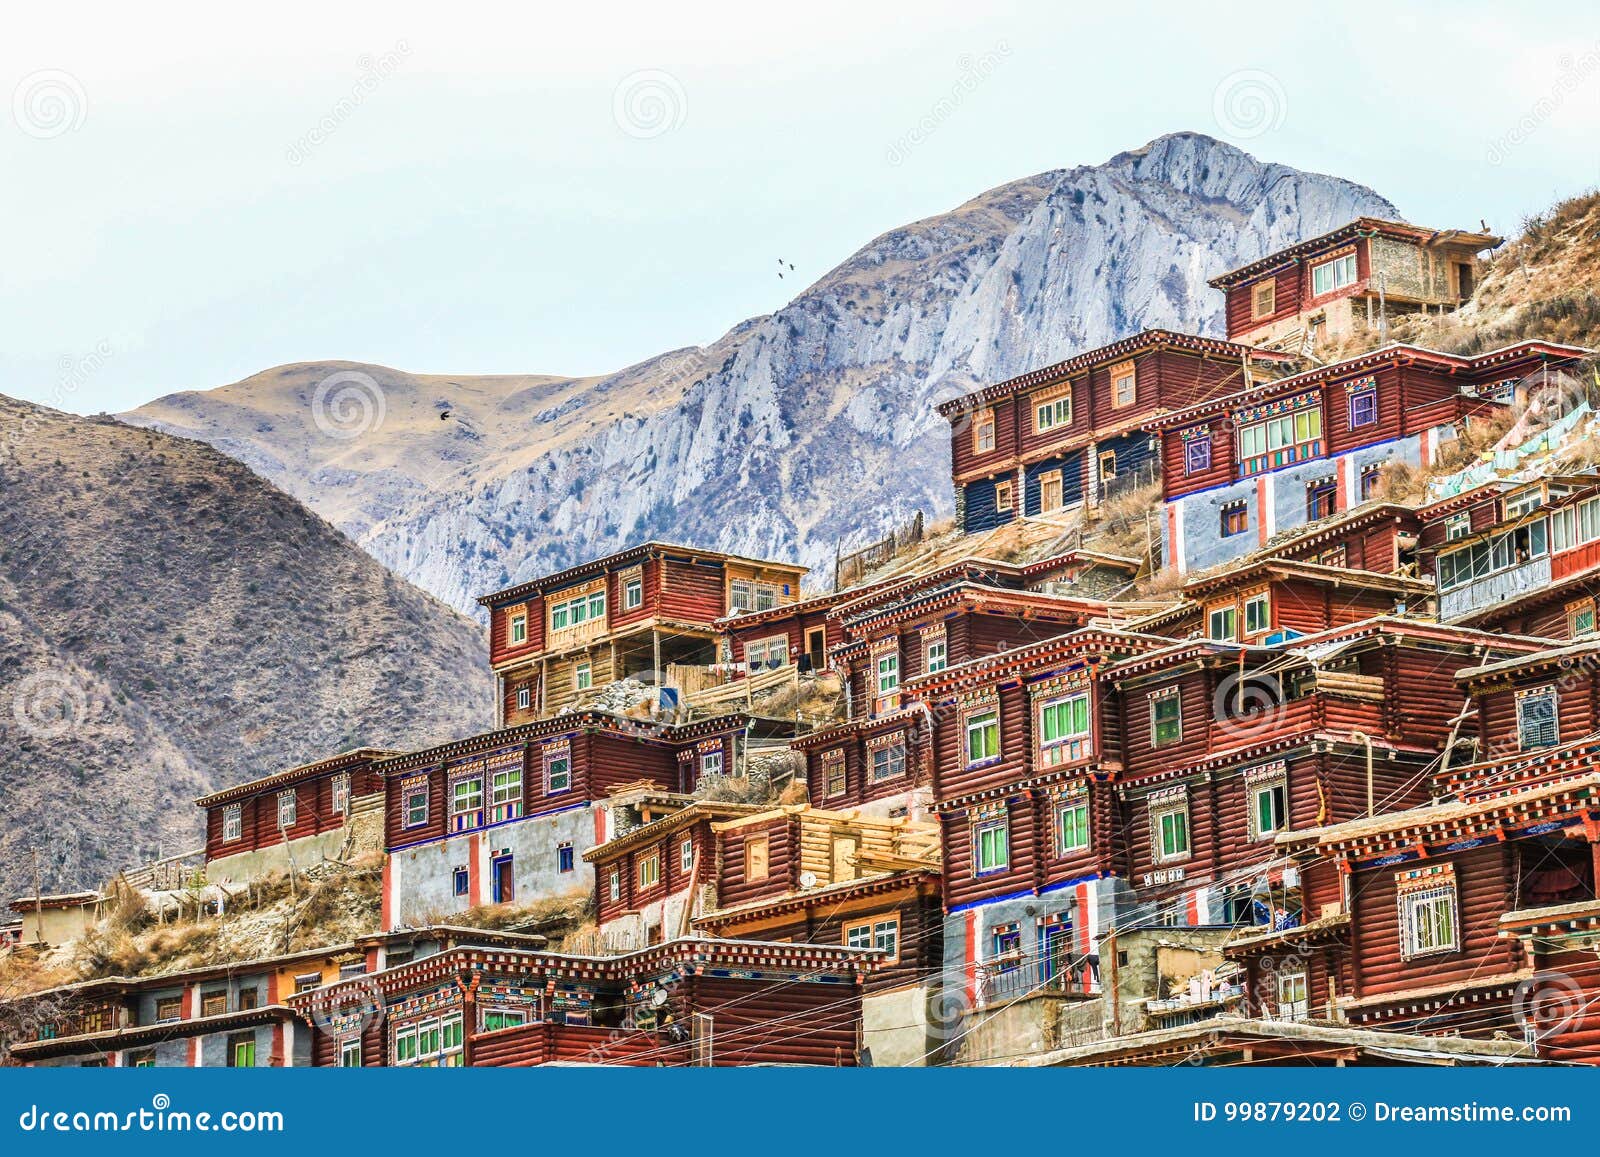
(1500, 587)
(568, 1044)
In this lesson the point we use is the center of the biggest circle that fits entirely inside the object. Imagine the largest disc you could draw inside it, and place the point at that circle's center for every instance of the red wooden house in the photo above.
(1069, 434)
(306, 812)
(505, 816)
(1323, 289)
(1521, 558)
(685, 1002)
(1238, 469)
(554, 639)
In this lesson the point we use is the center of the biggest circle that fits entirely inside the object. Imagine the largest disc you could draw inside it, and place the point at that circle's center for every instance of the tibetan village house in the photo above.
(505, 817)
(636, 613)
(1073, 433)
(685, 1002)
(1322, 290)
(1521, 558)
(1238, 469)
(330, 809)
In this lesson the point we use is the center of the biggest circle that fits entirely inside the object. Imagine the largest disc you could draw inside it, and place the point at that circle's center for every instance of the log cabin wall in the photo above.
(739, 876)
(1483, 882)
(777, 1022)
(1577, 710)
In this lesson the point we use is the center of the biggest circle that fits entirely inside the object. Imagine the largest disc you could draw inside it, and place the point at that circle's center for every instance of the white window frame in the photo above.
(686, 855)
(983, 720)
(758, 653)
(1294, 996)
(1546, 695)
(710, 763)
(1052, 413)
(1231, 617)
(649, 870)
(1343, 272)
(562, 759)
(341, 794)
(583, 676)
(517, 632)
(894, 762)
(1263, 600)
(407, 820)
(1274, 787)
(288, 809)
(1159, 698)
(934, 655)
(888, 673)
(505, 792)
(524, 698)
(1422, 931)
(348, 1047)
(633, 592)
(232, 823)
(1159, 813)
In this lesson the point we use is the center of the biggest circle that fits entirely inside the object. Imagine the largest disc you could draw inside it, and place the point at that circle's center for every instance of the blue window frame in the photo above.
(564, 858)
(1363, 408)
(461, 881)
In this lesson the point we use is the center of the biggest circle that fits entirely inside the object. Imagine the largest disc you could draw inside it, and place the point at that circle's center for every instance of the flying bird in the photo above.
(443, 414)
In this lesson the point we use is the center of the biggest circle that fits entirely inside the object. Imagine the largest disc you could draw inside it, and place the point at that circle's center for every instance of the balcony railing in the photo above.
(1502, 586)
(1013, 977)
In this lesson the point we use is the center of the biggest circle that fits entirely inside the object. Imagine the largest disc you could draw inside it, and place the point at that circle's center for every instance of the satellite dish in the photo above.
(808, 879)
(658, 998)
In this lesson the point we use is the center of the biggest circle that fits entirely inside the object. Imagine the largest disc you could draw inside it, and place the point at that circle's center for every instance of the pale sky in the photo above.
(468, 188)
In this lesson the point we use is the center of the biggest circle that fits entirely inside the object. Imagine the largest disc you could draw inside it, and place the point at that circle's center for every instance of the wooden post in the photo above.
(38, 899)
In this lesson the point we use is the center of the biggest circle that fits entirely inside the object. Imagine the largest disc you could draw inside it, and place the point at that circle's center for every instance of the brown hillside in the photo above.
(170, 623)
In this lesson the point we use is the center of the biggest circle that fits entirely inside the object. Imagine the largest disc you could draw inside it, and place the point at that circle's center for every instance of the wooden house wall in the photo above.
(1073, 480)
(1483, 883)
(1324, 980)
(1569, 1017)
(1307, 607)
(1286, 300)
(1140, 758)
(691, 592)
(618, 615)
(962, 884)
(374, 1045)
(1575, 710)
(561, 678)
(951, 775)
(1545, 621)
(500, 648)
(1338, 436)
(1176, 479)
(314, 813)
(979, 512)
(783, 862)
(860, 788)
(674, 880)
(543, 1043)
(921, 938)
(776, 1022)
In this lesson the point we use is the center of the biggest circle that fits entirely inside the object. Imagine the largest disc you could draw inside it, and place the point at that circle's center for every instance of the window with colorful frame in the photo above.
(505, 799)
(1235, 519)
(1580, 618)
(1429, 923)
(833, 772)
(232, 823)
(1537, 723)
(710, 763)
(888, 668)
(982, 729)
(991, 850)
(432, 1042)
(1197, 453)
(242, 1050)
(888, 761)
(1169, 826)
(466, 801)
(1363, 408)
(497, 1019)
(1267, 800)
(882, 934)
(350, 1053)
(1166, 717)
(1281, 439)
(1371, 478)
(934, 652)
(414, 802)
(1072, 823)
(557, 768)
(519, 628)
(1064, 727)
(288, 809)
